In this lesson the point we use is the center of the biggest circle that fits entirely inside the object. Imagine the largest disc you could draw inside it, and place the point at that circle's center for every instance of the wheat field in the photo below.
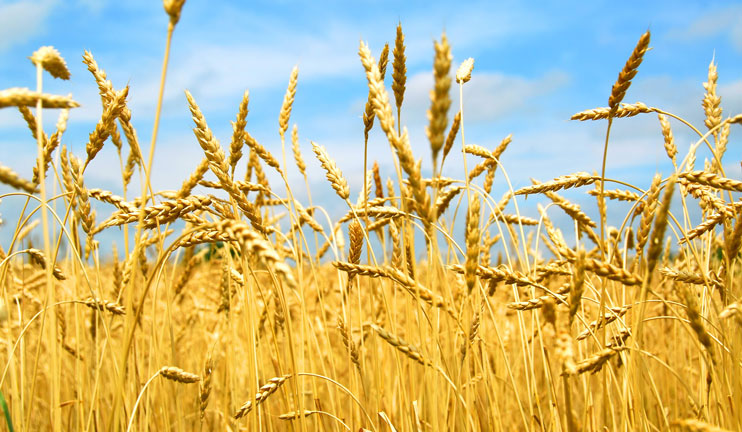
(429, 305)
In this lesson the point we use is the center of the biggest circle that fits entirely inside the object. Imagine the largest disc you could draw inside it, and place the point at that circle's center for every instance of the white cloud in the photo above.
(488, 96)
(721, 21)
(19, 21)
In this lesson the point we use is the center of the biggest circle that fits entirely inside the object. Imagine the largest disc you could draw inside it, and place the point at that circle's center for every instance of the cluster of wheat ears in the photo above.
(255, 316)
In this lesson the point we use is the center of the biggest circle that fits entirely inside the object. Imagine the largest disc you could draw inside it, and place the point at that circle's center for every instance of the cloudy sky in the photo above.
(534, 68)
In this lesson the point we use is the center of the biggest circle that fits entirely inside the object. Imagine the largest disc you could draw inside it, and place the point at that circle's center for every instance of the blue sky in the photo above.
(535, 66)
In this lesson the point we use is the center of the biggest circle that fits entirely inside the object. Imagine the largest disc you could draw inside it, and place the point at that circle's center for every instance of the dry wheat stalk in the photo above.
(721, 147)
(179, 375)
(101, 305)
(615, 313)
(401, 345)
(193, 179)
(542, 272)
(368, 113)
(349, 344)
(670, 147)
(266, 390)
(159, 214)
(205, 386)
(620, 195)
(334, 175)
(238, 128)
(498, 274)
(692, 278)
(297, 151)
(734, 240)
(173, 9)
(51, 60)
(472, 243)
(573, 210)
(711, 101)
(378, 186)
(401, 143)
(660, 225)
(595, 362)
(648, 213)
(577, 286)
(440, 101)
(451, 137)
(444, 200)
(396, 274)
(110, 198)
(563, 182)
(11, 178)
(463, 73)
(39, 259)
(695, 318)
(18, 96)
(262, 152)
(478, 150)
(218, 164)
(704, 227)
(713, 180)
(26, 230)
(612, 272)
(240, 232)
(399, 75)
(628, 73)
(82, 210)
(732, 310)
(513, 219)
(535, 303)
(293, 415)
(625, 110)
(106, 124)
(288, 101)
(695, 425)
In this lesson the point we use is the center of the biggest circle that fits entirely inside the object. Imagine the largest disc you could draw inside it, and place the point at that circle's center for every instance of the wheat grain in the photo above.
(219, 166)
(18, 96)
(648, 213)
(472, 244)
(11, 178)
(463, 73)
(238, 129)
(695, 425)
(401, 345)
(179, 375)
(288, 102)
(266, 390)
(101, 305)
(711, 101)
(297, 151)
(594, 326)
(173, 8)
(368, 113)
(334, 175)
(563, 182)
(51, 60)
(628, 72)
(625, 110)
(39, 258)
(712, 180)
(205, 386)
(670, 147)
(399, 75)
(440, 101)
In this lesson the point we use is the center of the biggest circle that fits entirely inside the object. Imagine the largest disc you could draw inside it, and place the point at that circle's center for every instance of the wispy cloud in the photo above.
(21, 20)
(722, 21)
